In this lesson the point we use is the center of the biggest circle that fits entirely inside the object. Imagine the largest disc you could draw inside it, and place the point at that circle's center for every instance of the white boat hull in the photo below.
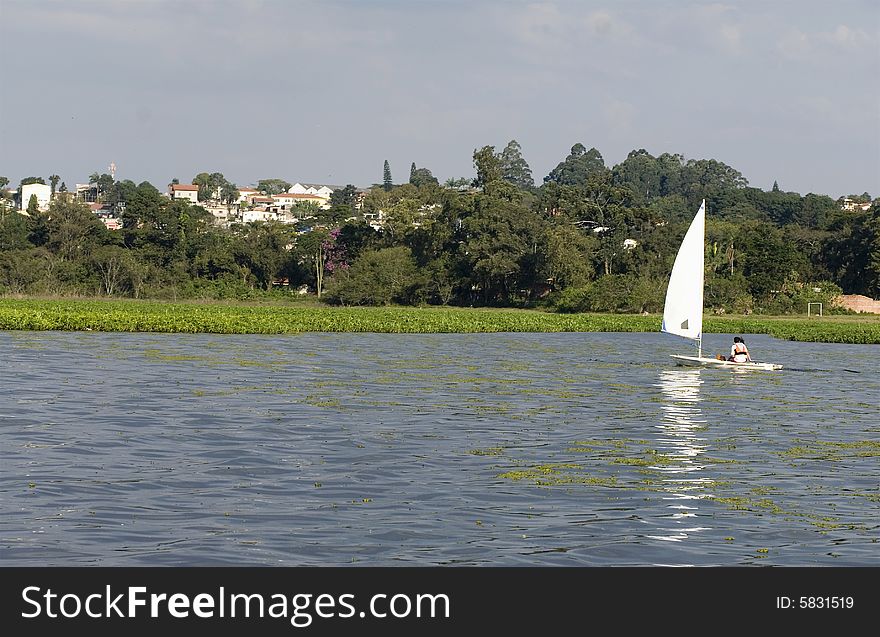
(694, 361)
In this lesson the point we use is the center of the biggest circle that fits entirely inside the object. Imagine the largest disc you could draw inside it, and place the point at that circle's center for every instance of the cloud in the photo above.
(540, 25)
(794, 45)
(845, 37)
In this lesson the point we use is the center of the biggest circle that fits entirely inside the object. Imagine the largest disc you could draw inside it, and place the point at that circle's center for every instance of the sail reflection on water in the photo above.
(681, 445)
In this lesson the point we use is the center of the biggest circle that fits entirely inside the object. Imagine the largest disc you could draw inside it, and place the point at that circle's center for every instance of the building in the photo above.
(288, 199)
(320, 192)
(249, 216)
(245, 194)
(849, 204)
(185, 191)
(87, 192)
(42, 191)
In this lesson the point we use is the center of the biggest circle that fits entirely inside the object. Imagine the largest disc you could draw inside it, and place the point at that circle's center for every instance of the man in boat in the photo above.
(739, 353)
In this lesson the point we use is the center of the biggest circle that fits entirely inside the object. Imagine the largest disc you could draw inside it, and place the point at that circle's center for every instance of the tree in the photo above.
(387, 184)
(641, 173)
(72, 230)
(103, 184)
(457, 182)
(578, 167)
(53, 180)
(423, 177)
(412, 170)
(271, 187)
(262, 249)
(775, 186)
(487, 165)
(501, 243)
(14, 232)
(566, 255)
(33, 206)
(113, 265)
(378, 277)
(63, 187)
(203, 181)
(4, 181)
(852, 251)
(344, 196)
(32, 180)
(229, 194)
(311, 248)
(21, 269)
(514, 168)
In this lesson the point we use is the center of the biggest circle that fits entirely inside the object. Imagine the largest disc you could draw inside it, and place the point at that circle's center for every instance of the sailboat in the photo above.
(683, 311)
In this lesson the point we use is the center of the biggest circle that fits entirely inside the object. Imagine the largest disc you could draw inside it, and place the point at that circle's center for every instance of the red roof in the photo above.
(184, 187)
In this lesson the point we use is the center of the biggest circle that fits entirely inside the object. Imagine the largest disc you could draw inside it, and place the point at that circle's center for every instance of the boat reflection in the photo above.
(681, 446)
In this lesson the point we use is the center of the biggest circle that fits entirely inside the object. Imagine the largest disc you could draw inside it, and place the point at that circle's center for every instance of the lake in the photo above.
(569, 449)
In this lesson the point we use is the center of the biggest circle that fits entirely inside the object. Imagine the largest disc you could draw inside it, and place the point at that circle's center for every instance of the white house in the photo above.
(248, 216)
(42, 191)
(245, 194)
(185, 191)
(317, 190)
(299, 189)
(293, 199)
(849, 204)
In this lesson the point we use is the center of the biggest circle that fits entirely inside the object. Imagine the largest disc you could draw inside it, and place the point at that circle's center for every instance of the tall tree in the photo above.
(53, 181)
(487, 165)
(33, 206)
(514, 168)
(229, 194)
(387, 184)
(578, 167)
(501, 243)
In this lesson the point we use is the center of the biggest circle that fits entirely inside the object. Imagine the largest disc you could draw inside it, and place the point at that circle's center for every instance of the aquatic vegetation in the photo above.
(226, 318)
(491, 451)
(832, 451)
(556, 474)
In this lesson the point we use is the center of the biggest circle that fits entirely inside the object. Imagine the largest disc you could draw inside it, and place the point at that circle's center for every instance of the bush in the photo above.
(378, 277)
(614, 293)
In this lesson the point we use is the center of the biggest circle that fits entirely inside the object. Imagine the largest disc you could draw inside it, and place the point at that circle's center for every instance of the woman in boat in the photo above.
(739, 353)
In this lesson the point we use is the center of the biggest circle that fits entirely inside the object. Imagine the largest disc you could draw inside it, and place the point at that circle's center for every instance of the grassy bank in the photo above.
(226, 318)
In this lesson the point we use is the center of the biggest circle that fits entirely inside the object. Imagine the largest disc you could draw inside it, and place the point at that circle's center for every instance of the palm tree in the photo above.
(53, 180)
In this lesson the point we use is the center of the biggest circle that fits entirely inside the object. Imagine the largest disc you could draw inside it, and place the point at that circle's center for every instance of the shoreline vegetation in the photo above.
(241, 318)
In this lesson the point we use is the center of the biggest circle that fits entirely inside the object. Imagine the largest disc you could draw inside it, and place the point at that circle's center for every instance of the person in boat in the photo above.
(739, 353)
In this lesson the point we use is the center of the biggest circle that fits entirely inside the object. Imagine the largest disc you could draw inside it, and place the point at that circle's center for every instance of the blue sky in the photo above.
(326, 91)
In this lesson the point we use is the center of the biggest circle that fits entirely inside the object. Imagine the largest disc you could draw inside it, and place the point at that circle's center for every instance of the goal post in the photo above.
(814, 309)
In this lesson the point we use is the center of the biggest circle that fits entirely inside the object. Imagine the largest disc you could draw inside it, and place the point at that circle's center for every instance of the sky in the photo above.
(325, 92)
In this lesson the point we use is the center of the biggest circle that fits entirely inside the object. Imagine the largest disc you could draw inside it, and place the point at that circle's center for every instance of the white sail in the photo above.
(683, 312)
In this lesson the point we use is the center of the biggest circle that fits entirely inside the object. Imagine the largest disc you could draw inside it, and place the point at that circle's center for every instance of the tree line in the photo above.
(588, 238)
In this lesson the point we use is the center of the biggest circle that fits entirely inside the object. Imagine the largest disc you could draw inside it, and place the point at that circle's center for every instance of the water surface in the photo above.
(476, 449)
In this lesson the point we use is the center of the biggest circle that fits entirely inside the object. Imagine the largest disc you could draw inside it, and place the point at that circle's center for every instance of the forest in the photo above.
(588, 238)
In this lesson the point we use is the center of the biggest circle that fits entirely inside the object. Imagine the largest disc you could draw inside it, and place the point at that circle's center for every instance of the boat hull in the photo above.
(694, 361)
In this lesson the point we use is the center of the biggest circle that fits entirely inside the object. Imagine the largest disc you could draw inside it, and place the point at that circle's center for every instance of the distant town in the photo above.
(588, 238)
